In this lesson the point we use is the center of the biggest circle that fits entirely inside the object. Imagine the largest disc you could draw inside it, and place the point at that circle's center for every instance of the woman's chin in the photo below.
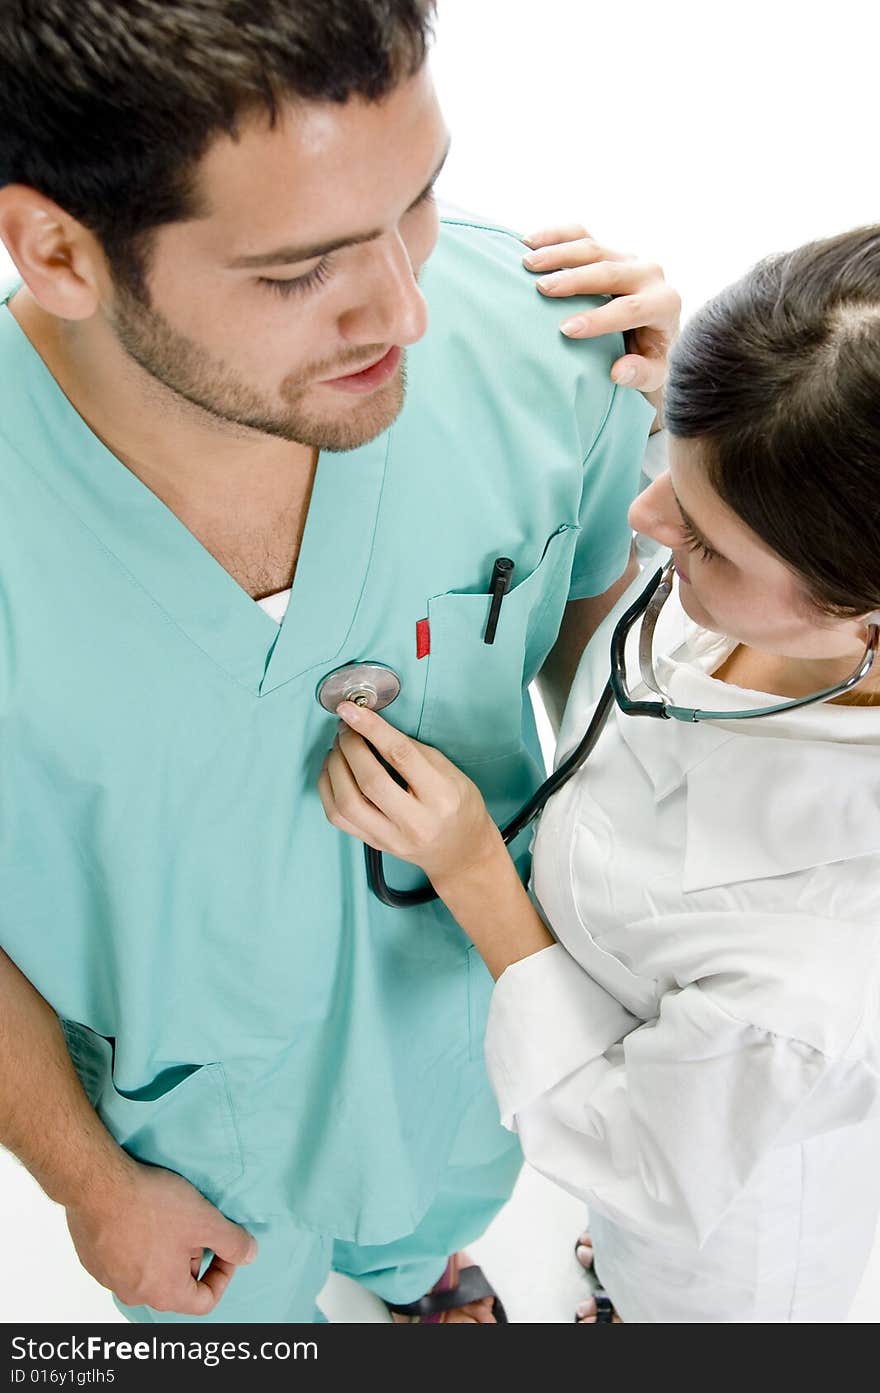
(689, 602)
(694, 610)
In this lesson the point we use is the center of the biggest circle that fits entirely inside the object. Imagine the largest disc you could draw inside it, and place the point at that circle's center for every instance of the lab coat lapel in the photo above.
(669, 750)
(752, 810)
(751, 800)
(665, 749)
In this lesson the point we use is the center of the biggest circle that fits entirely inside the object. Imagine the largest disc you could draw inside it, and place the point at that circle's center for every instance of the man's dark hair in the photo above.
(778, 378)
(107, 105)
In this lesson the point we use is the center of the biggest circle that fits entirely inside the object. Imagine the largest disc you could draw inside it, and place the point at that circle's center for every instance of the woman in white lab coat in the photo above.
(695, 1048)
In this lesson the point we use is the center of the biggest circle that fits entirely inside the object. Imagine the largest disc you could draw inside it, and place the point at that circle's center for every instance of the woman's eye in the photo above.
(694, 543)
(298, 285)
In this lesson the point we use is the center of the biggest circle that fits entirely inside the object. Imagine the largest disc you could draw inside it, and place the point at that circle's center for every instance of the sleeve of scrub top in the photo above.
(611, 481)
(655, 460)
(661, 1129)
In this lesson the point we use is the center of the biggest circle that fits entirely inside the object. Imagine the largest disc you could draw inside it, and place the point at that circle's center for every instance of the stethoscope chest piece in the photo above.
(366, 684)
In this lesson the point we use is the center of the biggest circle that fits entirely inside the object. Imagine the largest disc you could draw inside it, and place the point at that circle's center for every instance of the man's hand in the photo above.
(142, 1234)
(644, 309)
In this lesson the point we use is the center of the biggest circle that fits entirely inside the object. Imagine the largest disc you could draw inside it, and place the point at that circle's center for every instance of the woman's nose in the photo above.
(653, 513)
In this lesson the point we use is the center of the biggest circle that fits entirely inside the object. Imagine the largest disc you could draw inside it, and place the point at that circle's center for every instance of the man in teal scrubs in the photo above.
(202, 386)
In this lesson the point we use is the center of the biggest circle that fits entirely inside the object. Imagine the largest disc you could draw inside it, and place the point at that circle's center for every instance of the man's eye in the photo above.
(429, 196)
(298, 285)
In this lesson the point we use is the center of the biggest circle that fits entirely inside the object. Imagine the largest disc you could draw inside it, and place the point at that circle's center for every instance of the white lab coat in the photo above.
(699, 1058)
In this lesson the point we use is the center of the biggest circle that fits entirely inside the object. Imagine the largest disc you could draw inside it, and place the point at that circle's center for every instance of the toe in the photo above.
(477, 1312)
(586, 1312)
(473, 1313)
(482, 1310)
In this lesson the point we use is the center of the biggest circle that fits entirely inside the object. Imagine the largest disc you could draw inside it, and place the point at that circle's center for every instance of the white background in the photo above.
(698, 135)
(703, 136)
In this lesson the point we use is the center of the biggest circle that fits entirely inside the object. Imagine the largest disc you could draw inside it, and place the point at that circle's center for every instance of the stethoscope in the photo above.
(376, 686)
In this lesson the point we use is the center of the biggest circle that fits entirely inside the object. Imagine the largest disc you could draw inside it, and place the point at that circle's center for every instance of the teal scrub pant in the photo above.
(281, 1285)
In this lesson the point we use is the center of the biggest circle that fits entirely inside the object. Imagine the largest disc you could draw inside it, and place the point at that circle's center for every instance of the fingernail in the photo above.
(534, 260)
(550, 282)
(627, 376)
(252, 1251)
(529, 241)
(574, 326)
(584, 1308)
(585, 1254)
(348, 712)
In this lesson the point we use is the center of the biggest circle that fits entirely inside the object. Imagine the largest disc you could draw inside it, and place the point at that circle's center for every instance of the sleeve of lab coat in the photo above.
(662, 1127)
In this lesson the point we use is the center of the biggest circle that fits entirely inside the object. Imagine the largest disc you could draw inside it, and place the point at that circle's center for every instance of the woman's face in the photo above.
(731, 581)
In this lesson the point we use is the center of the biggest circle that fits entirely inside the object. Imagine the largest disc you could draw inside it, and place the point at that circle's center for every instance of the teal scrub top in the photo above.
(241, 1009)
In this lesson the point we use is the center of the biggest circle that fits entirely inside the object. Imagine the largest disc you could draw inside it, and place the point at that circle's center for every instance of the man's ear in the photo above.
(59, 260)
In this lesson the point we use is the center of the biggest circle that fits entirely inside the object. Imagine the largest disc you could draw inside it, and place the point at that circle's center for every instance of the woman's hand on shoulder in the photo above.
(644, 307)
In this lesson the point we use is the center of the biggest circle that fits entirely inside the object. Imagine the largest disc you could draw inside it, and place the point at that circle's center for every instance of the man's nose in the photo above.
(391, 308)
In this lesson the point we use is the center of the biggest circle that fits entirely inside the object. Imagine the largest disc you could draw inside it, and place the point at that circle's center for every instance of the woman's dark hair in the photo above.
(778, 378)
(107, 105)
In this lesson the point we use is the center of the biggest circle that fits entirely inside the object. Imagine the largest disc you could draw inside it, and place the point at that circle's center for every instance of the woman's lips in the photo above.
(369, 378)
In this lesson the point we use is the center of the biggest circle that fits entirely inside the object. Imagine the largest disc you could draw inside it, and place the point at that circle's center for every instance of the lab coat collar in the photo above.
(752, 810)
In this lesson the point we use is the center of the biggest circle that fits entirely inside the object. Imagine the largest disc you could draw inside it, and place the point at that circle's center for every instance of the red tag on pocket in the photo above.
(423, 638)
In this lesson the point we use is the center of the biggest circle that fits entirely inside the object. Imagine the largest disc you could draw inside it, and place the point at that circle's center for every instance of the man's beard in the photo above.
(191, 374)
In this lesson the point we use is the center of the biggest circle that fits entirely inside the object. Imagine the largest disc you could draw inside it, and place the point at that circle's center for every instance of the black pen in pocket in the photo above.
(502, 572)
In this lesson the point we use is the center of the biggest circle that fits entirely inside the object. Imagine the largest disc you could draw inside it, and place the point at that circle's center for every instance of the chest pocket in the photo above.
(472, 709)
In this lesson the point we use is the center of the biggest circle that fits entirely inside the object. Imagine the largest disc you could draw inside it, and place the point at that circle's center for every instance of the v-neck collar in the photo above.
(160, 555)
(333, 561)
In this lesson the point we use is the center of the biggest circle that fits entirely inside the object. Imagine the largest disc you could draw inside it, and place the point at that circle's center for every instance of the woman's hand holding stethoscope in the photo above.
(438, 821)
(433, 815)
(645, 309)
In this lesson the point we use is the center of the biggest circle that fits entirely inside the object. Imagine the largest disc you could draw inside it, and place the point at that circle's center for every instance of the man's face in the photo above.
(249, 320)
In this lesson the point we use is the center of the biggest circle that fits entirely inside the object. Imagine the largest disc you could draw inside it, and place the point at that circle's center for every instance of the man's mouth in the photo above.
(368, 378)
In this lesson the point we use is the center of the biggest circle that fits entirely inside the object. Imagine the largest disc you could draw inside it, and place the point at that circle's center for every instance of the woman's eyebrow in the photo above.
(691, 525)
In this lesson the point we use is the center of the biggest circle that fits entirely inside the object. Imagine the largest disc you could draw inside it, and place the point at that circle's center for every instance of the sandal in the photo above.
(604, 1309)
(450, 1292)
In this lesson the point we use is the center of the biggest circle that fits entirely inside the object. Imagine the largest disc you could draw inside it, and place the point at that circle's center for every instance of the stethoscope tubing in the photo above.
(423, 894)
(649, 603)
